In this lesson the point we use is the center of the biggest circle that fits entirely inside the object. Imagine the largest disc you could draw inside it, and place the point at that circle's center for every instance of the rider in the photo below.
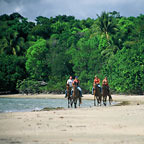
(96, 81)
(78, 87)
(69, 81)
(105, 82)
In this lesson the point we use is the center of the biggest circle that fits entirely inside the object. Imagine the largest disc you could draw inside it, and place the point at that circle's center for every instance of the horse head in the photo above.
(74, 88)
(95, 85)
(75, 94)
(67, 86)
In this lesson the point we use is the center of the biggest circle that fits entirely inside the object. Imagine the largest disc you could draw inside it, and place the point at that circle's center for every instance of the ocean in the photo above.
(30, 104)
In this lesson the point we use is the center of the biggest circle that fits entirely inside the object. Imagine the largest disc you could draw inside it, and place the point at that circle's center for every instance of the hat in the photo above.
(76, 76)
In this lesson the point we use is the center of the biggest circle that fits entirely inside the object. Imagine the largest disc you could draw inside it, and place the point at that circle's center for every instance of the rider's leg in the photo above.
(92, 90)
(71, 91)
(80, 91)
(100, 88)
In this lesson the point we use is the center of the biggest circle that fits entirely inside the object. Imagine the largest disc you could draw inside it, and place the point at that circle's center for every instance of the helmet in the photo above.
(76, 77)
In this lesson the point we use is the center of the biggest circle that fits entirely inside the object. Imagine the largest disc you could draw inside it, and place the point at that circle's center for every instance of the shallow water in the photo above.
(30, 104)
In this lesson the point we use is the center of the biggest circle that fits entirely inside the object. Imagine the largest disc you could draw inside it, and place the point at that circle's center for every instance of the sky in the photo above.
(80, 9)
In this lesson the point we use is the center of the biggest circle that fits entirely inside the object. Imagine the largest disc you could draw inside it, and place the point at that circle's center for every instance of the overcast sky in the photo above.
(81, 9)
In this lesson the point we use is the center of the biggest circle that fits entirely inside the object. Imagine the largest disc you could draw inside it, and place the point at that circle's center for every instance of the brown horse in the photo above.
(106, 93)
(68, 88)
(97, 94)
(75, 96)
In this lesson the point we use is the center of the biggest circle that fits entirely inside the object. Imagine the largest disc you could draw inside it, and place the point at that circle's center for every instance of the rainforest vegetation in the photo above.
(39, 57)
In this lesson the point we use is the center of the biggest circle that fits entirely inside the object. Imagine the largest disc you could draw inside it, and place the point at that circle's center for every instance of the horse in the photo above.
(68, 88)
(75, 96)
(97, 94)
(106, 93)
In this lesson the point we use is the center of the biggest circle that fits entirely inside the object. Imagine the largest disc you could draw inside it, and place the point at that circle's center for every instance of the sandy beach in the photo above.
(122, 124)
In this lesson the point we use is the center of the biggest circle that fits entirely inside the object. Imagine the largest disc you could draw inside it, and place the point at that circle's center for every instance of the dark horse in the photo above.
(97, 94)
(68, 88)
(106, 92)
(75, 96)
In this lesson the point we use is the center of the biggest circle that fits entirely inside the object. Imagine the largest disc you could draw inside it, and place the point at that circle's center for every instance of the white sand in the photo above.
(96, 125)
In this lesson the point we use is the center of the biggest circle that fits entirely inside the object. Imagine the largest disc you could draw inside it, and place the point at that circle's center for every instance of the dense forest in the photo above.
(39, 57)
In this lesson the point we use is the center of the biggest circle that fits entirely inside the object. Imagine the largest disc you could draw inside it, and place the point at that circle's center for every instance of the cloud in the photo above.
(81, 9)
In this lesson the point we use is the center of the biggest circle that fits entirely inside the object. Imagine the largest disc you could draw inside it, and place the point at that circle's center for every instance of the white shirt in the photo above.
(69, 81)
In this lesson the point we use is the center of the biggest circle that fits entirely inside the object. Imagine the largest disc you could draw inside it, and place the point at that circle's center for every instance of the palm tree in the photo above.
(107, 24)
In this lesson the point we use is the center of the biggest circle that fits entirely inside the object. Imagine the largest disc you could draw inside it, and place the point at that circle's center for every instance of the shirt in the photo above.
(70, 81)
(97, 81)
(77, 82)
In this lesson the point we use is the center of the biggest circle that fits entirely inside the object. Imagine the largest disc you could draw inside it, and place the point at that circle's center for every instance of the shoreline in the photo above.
(132, 99)
(91, 125)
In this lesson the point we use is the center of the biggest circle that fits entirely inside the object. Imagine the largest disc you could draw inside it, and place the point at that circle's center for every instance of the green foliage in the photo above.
(12, 69)
(29, 86)
(37, 62)
(14, 30)
(126, 70)
(107, 23)
(55, 85)
(52, 49)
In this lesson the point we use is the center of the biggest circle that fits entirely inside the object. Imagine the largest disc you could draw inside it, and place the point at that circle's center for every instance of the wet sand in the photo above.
(95, 125)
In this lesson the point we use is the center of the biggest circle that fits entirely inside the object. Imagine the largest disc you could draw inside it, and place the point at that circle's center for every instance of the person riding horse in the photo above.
(69, 82)
(96, 81)
(77, 82)
(105, 83)
(96, 91)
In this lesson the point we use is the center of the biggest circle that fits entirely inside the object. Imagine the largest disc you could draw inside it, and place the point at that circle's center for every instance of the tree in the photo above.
(107, 24)
(126, 73)
(14, 31)
(37, 64)
(12, 69)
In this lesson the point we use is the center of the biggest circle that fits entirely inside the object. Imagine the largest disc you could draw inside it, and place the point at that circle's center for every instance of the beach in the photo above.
(122, 124)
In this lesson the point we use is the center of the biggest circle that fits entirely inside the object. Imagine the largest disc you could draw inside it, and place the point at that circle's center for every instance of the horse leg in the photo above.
(68, 103)
(94, 100)
(100, 98)
(109, 94)
(110, 98)
(104, 100)
(98, 101)
(75, 103)
(71, 102)
(80, 101)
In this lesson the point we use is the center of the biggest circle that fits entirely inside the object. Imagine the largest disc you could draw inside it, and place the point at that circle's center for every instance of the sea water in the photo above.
(30, 104)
